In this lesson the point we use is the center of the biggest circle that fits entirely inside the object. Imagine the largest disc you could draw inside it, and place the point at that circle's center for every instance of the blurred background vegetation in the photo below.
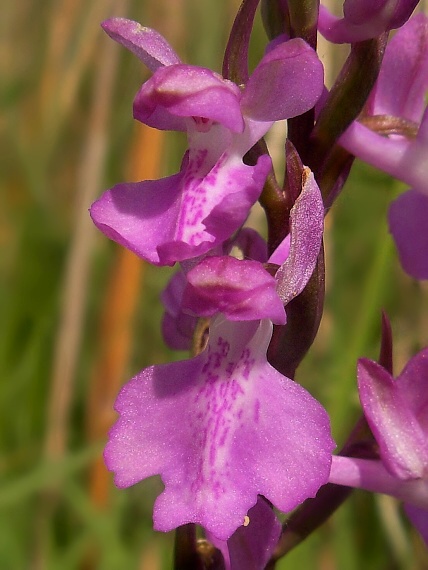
(80, 315)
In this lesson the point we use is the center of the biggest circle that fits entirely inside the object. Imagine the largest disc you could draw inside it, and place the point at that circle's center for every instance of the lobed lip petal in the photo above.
(287, 82)
(402, 441)
(185, 215)
(240, 289)
(177, 326)
(400, 91)
(413, 385)
(147, 44)
(407, 219)
(220, 429)
(140, 215)
(397, 156)
(394, 13)
(364, 19)
(251, 244)
(189, 91)
(372, 475)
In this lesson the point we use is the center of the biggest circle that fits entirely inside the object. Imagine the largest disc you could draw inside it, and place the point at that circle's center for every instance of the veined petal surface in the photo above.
(185, 215)
(251, 545)
(188, 91)
(220, 429)
(407, 217)
(147, 44)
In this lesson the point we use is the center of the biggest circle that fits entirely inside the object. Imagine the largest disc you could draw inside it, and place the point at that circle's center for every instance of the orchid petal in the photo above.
(340, 30)
(403, 79)
(185, 215)
(220, 429)
(407, 218)
(402, 441)
(282, 251)
(147, 44)
(371, 475)
(306, 230)
(396, 156)
(287, 82)
(188, 91)
(361, 11)
(240, 289)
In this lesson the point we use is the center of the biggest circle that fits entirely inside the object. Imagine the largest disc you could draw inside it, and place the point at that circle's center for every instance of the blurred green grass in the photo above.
(52, 55)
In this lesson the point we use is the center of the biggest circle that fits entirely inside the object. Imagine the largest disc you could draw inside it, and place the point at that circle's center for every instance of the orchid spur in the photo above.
(364, 19)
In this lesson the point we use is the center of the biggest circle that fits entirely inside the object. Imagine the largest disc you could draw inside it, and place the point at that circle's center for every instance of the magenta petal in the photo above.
(177, 326)
(282, 251)
(403, 79)
(189, 91)
(215, 206)
(419, 519)
(185, 215)
(407, 217)
(287, 82)
(250, 547)
(240, 289)
(306, 230)
(177, 332)
(147, 44)
(140, 215)
(402, 441)
(394, 13)
(340, 30)
(220, 429)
